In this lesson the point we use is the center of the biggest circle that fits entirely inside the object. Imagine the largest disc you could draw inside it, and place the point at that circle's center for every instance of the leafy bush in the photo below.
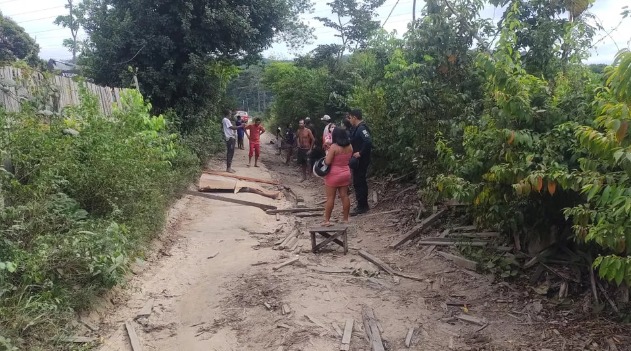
(549, 157)
(86, 192)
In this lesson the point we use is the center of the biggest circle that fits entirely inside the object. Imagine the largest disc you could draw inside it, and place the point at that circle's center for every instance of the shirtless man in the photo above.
(306, 140)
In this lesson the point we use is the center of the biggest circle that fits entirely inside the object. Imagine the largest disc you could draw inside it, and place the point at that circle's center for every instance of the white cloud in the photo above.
(37, 16)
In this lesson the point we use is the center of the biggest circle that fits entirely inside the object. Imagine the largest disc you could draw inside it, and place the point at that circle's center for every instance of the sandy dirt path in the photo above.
(233, 301)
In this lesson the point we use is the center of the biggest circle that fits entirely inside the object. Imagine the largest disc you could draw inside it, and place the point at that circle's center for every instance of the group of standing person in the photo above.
(234, 135)
(347, 151)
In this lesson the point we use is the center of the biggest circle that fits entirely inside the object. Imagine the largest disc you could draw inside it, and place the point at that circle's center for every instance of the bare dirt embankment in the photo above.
(210, 285)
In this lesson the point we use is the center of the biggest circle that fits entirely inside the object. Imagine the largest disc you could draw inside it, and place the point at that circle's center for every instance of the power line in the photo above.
(36, 19)
(47, 30)
(391, 11)
(35, 11)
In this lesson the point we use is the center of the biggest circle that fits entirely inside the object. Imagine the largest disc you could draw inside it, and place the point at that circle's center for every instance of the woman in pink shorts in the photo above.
(339, 177)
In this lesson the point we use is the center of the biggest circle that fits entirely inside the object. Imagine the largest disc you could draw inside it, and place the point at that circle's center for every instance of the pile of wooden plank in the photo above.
(290, 243)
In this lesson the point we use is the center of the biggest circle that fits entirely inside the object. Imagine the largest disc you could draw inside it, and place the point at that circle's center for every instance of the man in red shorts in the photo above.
(254, 136)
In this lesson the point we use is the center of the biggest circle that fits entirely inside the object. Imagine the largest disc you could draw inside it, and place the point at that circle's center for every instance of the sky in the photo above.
(37, 16)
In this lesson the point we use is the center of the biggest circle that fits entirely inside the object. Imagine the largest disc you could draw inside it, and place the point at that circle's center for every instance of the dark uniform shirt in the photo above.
(361, 141)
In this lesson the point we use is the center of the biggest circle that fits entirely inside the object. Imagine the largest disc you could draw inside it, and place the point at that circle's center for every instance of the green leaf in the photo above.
(593, 191)
(620, 272)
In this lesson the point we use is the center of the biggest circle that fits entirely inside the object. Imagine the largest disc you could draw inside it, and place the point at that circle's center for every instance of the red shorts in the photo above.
(255, 149)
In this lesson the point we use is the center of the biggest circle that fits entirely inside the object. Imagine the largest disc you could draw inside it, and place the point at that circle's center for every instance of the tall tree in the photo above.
(15, 43)
(175, 45)
(72, 21)
(355, 22)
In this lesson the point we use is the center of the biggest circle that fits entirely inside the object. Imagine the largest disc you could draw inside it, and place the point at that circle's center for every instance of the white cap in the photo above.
(325, 118)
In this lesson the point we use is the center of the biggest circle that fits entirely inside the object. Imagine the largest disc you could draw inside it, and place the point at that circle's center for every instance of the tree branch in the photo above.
(473, 33)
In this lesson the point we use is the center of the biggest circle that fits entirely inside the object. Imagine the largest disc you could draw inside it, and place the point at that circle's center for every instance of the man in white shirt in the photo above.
(231, 138)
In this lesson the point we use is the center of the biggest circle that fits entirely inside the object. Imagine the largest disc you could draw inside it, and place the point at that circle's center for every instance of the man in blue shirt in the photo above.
(240, 133)
(362, 148)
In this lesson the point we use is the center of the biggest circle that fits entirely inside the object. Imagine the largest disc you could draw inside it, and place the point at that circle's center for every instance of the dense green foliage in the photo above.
(503, 116)
(78, 208)
(183, 51)
(15, 43)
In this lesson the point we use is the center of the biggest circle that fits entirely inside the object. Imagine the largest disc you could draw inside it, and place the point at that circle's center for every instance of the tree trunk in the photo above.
(413, 14)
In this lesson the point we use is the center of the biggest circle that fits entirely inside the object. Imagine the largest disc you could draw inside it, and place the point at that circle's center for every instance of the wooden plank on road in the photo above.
(295, 210)
(346, 337)
(250, 179)
(372, 329)
(234, 201)
(133, 338)
(418, 229)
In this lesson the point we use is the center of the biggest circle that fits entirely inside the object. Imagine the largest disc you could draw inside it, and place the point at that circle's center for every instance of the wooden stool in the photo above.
(331, 234)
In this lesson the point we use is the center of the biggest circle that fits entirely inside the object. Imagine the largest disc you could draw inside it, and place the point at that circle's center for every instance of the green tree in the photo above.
(15, 43)
(73, 22)
(298, 91)
(552, 33)
(354, 23)
(176, 45)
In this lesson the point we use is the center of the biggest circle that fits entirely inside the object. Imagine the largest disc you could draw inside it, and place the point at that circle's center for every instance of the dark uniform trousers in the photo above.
(360, 183)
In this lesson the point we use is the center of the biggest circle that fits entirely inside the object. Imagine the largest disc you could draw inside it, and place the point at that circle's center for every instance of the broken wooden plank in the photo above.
(213, 255)
(89, 324)
(316, 322)
(268, 306)
(146, 309)
(479, 235)
(290, 243)
(433, 247)
(294, 210)
(372, 330)
(337, 329)
(259, 191)
(285, 309)
(226, 199)
(385, 267)
(348, 332)
(380, 213)
(408, 337)
(453, 243)
(419, 228)
(297, 249)
(294, 246)
(471, 319)
(79, 339)
(331, 270)
(256, 180)
(133, 338)
(466, 228)
(460, 261)
(376, 261)
(307, 215)
(281, 244)
(286, 263)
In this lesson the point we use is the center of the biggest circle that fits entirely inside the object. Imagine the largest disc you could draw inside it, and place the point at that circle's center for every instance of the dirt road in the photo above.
(212, 287)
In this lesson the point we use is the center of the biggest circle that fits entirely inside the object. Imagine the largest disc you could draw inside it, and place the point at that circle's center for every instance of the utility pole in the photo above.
(413, 13)
(74, 28)
(258, 95)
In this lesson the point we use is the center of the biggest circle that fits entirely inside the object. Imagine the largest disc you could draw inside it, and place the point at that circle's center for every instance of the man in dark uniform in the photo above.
(362, 147)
